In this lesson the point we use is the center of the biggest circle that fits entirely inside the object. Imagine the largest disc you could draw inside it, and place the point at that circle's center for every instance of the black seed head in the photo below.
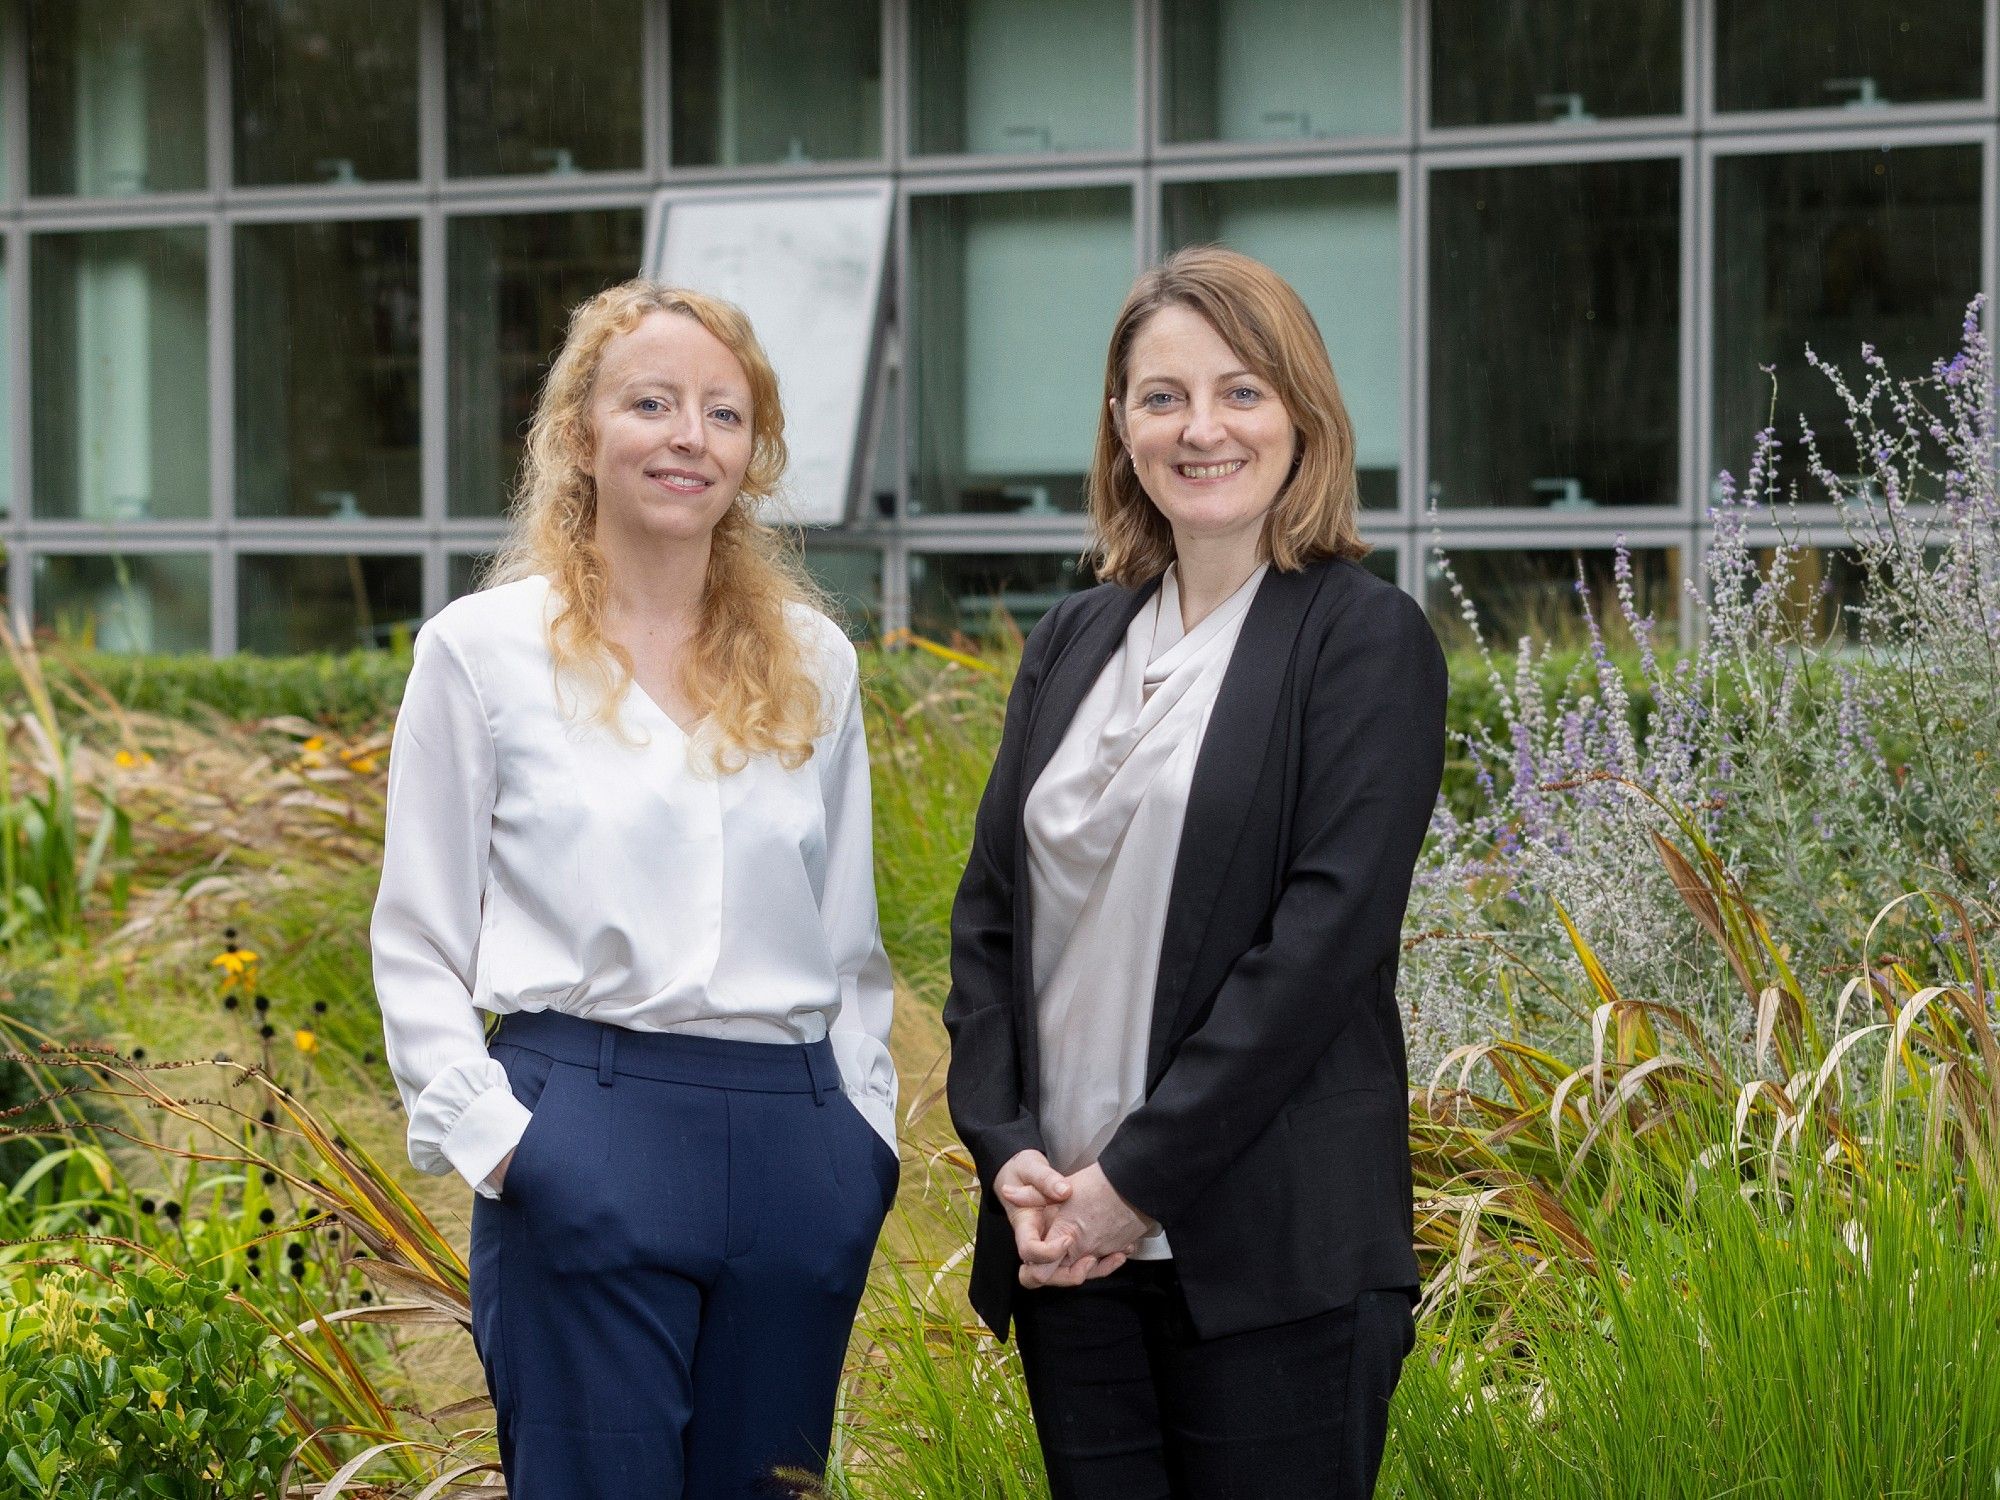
(171, 1209)
(91, 1216)
(147, 1206)
(229, 1002)
(269, 1117)
(298, 1269)
(263, 1003)
(265, 1216)
(295, 1252)
(367, 1296)
(267, 1031)
(269, 1177)
(319, 1007)
(138, 1054)
(254, 1252)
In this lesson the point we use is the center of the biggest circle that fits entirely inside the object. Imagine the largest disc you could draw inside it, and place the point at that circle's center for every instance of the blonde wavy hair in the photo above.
(1261, 318)
(747, 671)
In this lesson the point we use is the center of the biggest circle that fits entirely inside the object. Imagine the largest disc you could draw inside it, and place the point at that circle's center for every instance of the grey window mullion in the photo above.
(1694, 316)
(434, 393)
(895, 103)
(14, 101)
(655, 83)
(219, 97)
(431, 144)
(20, 406)
(221, 372)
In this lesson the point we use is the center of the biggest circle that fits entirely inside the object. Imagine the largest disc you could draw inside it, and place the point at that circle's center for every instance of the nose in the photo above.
(1203, 428)
(686, 434)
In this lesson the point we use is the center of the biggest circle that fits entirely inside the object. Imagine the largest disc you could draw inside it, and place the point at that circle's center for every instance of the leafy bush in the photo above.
(153, 1385)
(349, 692)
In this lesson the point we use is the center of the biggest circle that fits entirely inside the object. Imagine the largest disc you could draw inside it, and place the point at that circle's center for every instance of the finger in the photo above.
(1109, 1264)
(1023, 1194)
(1045, 1179)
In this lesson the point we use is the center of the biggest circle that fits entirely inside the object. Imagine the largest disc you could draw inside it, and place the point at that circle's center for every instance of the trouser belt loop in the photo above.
(825, 1076)
(607, 1054)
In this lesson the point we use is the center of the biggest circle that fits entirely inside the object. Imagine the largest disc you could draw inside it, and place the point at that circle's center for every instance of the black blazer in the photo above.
(1273, 1145)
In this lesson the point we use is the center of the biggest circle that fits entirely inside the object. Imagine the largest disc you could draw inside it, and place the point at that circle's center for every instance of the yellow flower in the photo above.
(305, 1041)
(233, 961)
(125, 759)
(362, 765)
(313, 744)
(159, 1400)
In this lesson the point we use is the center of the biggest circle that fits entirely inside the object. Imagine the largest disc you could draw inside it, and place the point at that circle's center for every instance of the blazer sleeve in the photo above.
(983, 1082)
(1371, 758)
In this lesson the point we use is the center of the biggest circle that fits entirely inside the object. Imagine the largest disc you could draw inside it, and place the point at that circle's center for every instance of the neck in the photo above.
(654, 585)
(1210, 569)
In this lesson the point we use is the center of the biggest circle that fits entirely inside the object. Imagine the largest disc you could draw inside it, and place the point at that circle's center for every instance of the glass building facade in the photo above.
(281, 277)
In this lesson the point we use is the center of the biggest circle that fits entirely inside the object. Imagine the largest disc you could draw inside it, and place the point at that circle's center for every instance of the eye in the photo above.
(1246, 393)
(650, 405)
(728, 415)
(1157, 400)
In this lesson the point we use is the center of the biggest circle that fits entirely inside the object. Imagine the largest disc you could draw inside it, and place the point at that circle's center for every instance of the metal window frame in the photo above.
(1699, 137)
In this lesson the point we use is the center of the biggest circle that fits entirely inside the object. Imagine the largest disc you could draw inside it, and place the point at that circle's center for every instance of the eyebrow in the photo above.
(1175, 380)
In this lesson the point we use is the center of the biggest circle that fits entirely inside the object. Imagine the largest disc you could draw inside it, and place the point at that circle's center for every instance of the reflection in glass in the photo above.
(1833, 249)
(1535, 593)
(1555, 335)
(756, 82)
(1020, 76)
(327, 420)
(514, 280)
(1853, 54)
(538, 88)
(120, 369)
(147, 601)
(852, 580)
(987, 596)
(465, 572)
(115, 102)
(326, 601)
(1282, 70)
(1012, 297)
(1824, 589)
(1563, 62)
(324, 90)
(1338, 240)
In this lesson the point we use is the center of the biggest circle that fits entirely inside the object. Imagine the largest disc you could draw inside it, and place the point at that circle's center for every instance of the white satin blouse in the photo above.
(533, 862)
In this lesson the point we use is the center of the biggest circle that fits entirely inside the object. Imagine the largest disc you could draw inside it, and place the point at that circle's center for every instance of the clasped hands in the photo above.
(1067, 1229)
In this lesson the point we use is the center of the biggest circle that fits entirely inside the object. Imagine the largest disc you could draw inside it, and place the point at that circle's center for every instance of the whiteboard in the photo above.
(806, 264)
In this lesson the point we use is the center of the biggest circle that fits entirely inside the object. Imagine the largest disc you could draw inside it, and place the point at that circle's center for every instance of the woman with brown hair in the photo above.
(1176, 1054)
(628, 814)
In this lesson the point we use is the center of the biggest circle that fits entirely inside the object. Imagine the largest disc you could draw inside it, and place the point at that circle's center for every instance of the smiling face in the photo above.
(1210, 441)
(671, 416)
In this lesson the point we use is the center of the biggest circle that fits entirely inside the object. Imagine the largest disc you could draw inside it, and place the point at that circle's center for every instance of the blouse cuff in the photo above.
(485, 1128)
(868, 1078)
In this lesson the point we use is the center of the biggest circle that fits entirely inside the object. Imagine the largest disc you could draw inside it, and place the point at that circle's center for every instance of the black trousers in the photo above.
(1131, 1405)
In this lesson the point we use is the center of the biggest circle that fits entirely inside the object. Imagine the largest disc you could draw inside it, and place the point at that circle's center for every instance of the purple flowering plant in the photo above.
(1812, 757)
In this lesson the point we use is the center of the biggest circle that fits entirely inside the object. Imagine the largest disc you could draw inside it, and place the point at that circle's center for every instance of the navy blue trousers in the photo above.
(663, 1292)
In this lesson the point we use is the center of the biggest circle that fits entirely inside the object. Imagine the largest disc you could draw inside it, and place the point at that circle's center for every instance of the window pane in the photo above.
(1338, 240)
(1833, 249)
(327, 417)
(325, 90)
(1555, 335)
(1504, 62)
(1535, 593)
(115, 96)
(1382, 563)
(6, 392)
(1020, 75)
(325, 602)
(120, 364)
(464, 570)
(1791, 54)
(148, 602)
(1282, 70)
(852, 579)
(756, 82)
(1012, 296)
(513, 283)
(984, 595)
(543, 88)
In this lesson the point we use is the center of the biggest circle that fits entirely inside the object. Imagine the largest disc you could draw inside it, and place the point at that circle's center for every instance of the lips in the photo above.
(1209, 471)
(682, 481)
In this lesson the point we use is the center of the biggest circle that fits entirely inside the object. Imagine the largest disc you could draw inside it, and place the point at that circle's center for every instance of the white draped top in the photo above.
(1103, 823)
(533, 861)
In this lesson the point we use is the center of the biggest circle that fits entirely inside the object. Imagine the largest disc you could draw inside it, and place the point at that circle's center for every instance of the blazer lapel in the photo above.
(1240, 726)
(1068, 678)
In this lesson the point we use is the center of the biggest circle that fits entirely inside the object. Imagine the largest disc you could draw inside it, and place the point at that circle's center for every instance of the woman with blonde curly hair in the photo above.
(628, 814)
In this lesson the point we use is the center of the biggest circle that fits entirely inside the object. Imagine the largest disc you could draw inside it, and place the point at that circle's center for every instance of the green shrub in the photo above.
(344, 692)
(153, 1385)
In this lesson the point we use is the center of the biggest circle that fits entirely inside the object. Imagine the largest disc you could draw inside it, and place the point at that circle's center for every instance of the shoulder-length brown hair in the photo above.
(1263, 320)
(747, 671)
